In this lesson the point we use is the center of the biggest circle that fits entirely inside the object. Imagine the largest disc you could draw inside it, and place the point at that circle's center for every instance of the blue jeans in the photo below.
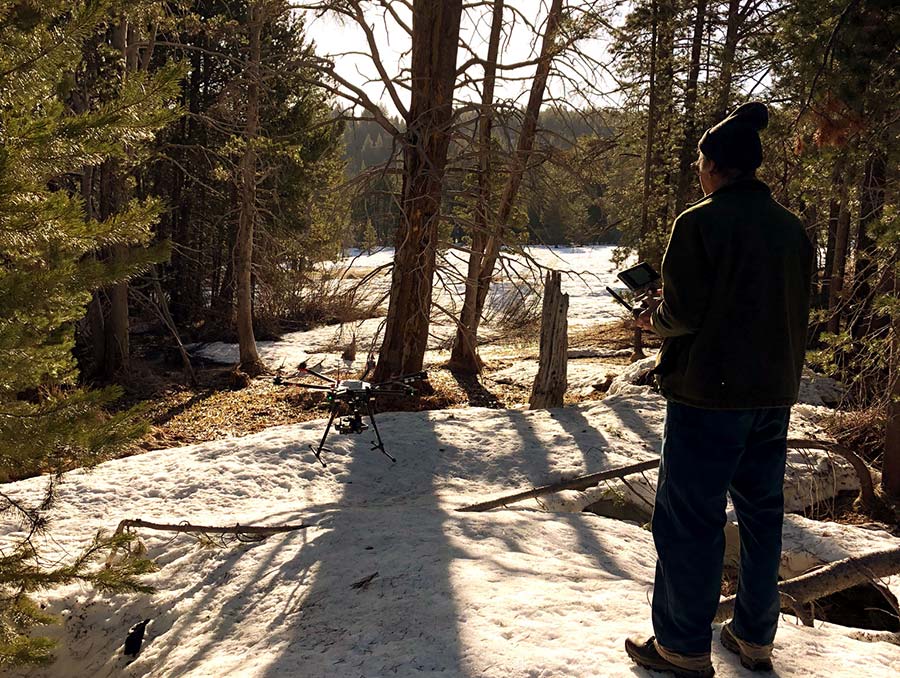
(706, 453)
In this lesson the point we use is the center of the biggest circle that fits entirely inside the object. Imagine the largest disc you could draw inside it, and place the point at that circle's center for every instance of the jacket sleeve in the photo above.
(686, 281)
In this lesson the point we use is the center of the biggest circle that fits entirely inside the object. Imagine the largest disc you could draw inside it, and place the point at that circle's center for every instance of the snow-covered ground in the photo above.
(536, 590)
(586, 273)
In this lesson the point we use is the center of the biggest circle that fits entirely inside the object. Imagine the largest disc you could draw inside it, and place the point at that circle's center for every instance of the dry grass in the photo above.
(179, 415)
(616, 335)
(359, 272)
(861, 431)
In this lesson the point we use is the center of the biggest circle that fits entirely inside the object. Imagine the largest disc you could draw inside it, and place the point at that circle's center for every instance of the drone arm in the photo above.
(393, 391)
(315, 387)
(403, 381)
(304, 370)
(409, 378)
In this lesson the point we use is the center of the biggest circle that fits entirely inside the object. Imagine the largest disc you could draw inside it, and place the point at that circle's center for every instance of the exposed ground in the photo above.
(179, 414)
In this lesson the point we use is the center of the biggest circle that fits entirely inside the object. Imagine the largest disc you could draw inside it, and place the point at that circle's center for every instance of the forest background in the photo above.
(179, 169)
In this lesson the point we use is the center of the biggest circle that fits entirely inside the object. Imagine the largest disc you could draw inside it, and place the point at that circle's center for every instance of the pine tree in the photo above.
(48, 270)
(296, 153)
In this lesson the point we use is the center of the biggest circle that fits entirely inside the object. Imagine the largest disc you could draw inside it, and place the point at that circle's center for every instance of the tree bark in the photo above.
(550, 383)
(662, 165)
(162, 308)
(647, 225)
(433, 78)
(249, 358)
(866, 486)
(590, 480)
(517, 168)
(222, 306)
(464, 355)
(187, 528)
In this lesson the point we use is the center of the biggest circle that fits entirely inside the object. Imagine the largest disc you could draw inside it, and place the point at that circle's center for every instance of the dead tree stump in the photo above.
(550, 382)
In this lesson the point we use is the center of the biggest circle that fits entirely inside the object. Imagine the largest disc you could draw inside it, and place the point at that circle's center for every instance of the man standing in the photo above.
(733, 315)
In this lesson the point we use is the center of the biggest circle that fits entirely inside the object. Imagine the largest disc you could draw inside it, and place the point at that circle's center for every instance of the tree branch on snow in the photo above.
(238, 530)
(838, 576)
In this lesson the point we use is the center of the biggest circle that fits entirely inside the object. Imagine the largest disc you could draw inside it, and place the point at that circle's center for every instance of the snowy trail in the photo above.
(522, 592)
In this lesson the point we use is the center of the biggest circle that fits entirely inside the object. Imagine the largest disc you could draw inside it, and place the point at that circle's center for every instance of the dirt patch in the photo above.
(179, 415)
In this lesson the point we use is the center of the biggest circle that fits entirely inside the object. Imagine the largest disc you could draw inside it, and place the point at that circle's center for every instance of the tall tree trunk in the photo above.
(647, 221)
(890, 470)
(871, 208)
(834, 211)
(662, 166)
(464, 356)
(688, 153)
(839, 267)
(222, 306)
(187, 297)
(518, 164)
(249, 358)
(435, 36)
(726, 72)
(648, 215)
(549, 388)
(116, 350)
(95, 311)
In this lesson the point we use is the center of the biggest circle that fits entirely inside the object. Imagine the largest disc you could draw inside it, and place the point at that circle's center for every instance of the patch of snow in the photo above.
(520, 592)
(580, 374)
(626, 382)
(818, 390)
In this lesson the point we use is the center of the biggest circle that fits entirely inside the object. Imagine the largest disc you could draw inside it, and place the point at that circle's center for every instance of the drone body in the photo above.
(359, 397)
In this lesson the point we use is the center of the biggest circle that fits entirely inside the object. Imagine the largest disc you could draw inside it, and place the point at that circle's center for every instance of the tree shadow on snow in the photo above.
(381, 600)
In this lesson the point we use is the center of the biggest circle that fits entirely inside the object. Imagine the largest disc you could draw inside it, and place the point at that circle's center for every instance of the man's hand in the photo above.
(643, 320)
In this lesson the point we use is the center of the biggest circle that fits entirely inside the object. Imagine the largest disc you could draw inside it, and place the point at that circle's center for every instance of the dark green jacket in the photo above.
(736, 283)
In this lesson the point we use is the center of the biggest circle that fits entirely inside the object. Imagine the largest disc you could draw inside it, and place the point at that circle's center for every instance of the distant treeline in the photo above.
(550, 213)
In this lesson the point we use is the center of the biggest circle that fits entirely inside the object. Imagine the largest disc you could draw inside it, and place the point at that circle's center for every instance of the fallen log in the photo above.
(579, 483)
(866, 487)
(798, 592)
(187, 528)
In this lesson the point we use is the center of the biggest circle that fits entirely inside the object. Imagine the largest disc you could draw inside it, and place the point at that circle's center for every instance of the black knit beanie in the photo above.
(734, 142)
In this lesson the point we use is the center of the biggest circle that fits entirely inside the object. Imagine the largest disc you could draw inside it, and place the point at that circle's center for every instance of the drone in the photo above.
(359, 396)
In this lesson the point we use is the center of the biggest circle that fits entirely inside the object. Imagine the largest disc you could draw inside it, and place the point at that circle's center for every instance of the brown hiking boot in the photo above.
(650, 655)
(753, 657)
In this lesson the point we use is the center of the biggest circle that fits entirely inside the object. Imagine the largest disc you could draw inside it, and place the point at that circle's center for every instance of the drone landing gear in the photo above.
(377, 445)
(351, 423)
